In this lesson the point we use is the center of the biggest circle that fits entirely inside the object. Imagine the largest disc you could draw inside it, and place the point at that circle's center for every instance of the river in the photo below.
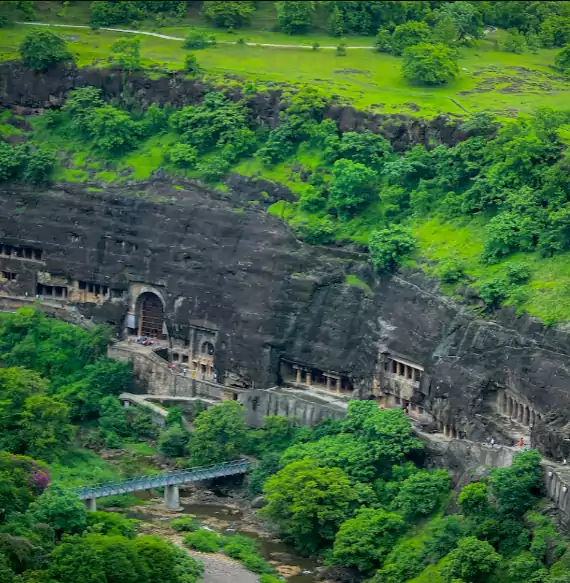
(229, 518)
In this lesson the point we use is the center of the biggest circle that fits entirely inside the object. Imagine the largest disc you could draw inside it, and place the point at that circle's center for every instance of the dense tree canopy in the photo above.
(42, 49)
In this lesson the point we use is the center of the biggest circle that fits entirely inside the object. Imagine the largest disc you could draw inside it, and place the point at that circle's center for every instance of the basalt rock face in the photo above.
(29, 91)
(271, 296)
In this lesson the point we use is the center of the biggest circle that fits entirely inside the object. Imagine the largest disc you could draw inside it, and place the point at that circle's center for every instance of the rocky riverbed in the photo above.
(227, 515)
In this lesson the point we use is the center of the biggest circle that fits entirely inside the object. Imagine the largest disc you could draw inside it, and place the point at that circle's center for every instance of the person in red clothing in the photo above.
(521, 442)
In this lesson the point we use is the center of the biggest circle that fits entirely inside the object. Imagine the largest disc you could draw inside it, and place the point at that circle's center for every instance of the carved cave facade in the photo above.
(235, 298)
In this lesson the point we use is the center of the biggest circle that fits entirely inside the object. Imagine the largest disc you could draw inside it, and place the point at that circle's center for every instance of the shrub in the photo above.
(203, 541)
(450, 272)
(173, 442)
(388, 247)
(228, 14)
(562, 60)
(42, 49)
(518, 273)
(39, 166)
(341, 50)
(315, 46)
(127, 52)
(430, 64)
(515, 43)
(10, 160)
(213, 169)
(182, 155)
(383, 42)
(184, 524)
(197, 40)
(494, 292)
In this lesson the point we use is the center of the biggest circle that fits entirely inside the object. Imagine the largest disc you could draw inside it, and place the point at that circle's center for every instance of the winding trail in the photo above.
(167, 37)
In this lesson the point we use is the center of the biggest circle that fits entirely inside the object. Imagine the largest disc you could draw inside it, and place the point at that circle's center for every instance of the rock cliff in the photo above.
(270, 297)
(30, 90)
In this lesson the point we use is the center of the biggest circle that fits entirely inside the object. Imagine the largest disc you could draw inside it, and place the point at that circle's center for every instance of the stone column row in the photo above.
(517, 411)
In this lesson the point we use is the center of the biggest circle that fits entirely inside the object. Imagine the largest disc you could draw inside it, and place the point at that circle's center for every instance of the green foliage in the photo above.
(410, 34)
(60, 508)
(228, 14)
(466, 18)
(197, 40)
(39, 165)
(21, 478)
(383, 42)
(388, 247)
(518, 273)
(474, 499)
(525, 567)
(515, 43)
(184, 524)
(562, 60)
(246, 550)
(204, 541)
(45, 429)
(110, 13)
(516, 488)
(442, 537)
(42, 49)
(112, 524)
(173, 442)
(406, 560)
(127, 53)
(309, 503)
(112, 130)
(472, 561)
(421, 493)
(219, 434)
(365, 540)
(10, 161)
(352, 186)
(432, 64)
(182, 155)
(493, 292)
(450, 272)
(295, 17)
(191, 64)
(555, 31)
(142, 425)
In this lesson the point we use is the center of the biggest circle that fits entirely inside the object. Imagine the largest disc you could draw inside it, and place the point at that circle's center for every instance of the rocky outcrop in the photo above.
(270, 296)
(29, 91)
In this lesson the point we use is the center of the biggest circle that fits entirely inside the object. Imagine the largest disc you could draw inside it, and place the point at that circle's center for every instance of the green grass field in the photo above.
(491, 80)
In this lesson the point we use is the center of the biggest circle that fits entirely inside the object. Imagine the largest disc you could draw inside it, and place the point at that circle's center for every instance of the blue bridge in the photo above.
(170, 481)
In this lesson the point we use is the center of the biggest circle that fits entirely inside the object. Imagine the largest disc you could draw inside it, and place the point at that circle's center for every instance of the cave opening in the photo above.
(151, 315)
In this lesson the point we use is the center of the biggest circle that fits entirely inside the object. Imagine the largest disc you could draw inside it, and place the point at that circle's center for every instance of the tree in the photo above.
(228, 13)
(113, 417)
(182, 155)
(295, 17)
(562, 60)
(388, 247)
(112, 129)
(42, 49)
(365, 148)
(526, 568)
(39, 166)
(445, 31)
(466, 18)
(219, 434)
(515, 43)
(473, 560)
(351, 187)
(365, 540)
(430, 64)
(308, 503)
(173, 442)
(111, 523)
(10, 161)
(494, 292)
(421, 493)
(555, 31)
(516, 488)
(474, 499)
(352, 454)
(408, 35)
(45, 428)
(61, 509)
(93, 558)
(196, 40)
(191, 64)
(127, 53)
(383, 42)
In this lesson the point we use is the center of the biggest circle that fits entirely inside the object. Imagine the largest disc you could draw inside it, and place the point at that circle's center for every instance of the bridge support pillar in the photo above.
(91, 504)
(172, 498)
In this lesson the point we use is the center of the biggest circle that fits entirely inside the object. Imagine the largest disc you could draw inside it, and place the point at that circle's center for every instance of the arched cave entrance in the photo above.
(150, 312)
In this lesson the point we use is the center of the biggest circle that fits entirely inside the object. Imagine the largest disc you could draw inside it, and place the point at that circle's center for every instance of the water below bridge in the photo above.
(229, 519)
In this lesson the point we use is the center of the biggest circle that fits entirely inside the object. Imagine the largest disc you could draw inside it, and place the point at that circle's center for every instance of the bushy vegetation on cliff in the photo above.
(349, 491)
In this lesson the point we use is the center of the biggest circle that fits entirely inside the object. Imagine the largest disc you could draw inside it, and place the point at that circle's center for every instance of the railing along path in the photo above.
(159, 481)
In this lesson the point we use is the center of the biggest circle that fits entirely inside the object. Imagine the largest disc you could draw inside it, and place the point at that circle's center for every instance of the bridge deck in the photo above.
(168, 479)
